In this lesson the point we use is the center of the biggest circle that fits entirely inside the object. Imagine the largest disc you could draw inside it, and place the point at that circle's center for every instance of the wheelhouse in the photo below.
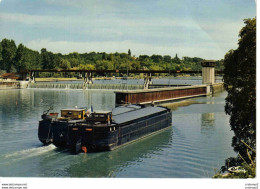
(73, 113)
(102, 117)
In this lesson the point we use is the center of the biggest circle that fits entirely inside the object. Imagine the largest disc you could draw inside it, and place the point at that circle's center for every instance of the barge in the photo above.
(83, 130)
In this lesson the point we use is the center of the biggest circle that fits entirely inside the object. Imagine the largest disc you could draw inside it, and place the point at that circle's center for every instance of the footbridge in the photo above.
(88, 74)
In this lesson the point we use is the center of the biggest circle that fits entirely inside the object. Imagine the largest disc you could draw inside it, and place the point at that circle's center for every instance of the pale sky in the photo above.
(194, 28)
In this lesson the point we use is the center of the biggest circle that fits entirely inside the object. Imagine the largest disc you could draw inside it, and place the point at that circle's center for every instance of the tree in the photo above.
(104, 65)
(240, 83)
(12, 69)
(156, 58)
(74, 62)
(145, 61)
(111, 57)
(176, 59)
(104, 56)
(86, 67)
(8, 54)
(1, 53)
(129, 52)
(1, 62)
(49, 60)
(167, 58)
(63, 63)
(26, 58)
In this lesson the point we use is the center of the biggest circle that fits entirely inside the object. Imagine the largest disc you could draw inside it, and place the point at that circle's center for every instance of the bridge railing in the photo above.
(115, 71)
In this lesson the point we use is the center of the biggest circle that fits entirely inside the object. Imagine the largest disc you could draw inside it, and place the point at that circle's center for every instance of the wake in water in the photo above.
(17, 141)
(31, 152)
(28, 153)
(30, 162)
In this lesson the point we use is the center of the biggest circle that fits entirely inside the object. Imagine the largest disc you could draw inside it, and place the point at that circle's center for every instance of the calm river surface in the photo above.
(198, 141)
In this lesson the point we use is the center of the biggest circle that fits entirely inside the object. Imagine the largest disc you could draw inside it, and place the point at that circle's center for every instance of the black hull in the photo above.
(45, 132)
(135, 131)
(102, 139)
(98, 137)
(60, 133)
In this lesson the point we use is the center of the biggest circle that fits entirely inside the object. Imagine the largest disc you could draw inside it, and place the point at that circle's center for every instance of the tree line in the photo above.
(14, 58)
(240, 84)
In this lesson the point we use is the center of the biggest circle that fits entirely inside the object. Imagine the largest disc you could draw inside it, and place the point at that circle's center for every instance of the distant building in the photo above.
(9, 76)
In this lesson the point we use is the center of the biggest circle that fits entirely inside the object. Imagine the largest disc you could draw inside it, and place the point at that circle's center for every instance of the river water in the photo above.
(197, 143)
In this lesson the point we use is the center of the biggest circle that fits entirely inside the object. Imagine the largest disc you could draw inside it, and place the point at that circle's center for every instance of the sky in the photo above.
(194, 28)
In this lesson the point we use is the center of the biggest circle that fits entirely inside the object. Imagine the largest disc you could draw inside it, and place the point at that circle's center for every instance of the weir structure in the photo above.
(161, 95)
(151, 94)
(88, 74)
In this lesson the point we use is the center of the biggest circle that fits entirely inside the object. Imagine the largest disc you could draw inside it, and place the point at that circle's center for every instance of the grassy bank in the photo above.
(51, 79)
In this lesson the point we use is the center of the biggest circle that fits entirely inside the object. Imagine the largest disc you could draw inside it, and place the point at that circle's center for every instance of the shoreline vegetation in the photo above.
(14, 58)
(240, 83)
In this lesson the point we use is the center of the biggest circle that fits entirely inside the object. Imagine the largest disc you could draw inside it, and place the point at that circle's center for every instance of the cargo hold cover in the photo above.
(136, 114)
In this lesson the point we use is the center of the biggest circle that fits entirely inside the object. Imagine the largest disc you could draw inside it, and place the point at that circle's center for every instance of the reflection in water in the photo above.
(210, 100)
(218, 94)
(207, 119)
(176, 104)
(107, 164)
(207, 122)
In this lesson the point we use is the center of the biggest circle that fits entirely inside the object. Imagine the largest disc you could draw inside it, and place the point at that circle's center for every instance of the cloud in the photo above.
(139, 29)
(84, 20)
(95, 6)
(148, 36)
(75, 3)
(104, 27)
(222, 32)
(36, 19)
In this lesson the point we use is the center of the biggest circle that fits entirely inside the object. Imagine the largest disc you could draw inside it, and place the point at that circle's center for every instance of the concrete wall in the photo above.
(24, 84)
(208, 75)
(9, 85)
(217, 87)
(161, 94)
(13, 84)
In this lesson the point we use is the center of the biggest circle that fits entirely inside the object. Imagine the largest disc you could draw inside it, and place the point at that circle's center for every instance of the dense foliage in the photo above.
(14, 59)
(240, 83)
(249, 172)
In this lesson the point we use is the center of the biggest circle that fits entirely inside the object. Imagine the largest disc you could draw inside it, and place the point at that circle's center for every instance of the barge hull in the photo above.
(129, 124)
(143, 128)
(60, 133)
(45, 131)
(100, 140)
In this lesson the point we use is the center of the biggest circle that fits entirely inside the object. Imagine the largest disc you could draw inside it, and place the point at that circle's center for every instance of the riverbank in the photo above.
(13, 84)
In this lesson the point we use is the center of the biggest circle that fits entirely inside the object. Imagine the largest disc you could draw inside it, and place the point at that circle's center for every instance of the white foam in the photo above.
(30, 152)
